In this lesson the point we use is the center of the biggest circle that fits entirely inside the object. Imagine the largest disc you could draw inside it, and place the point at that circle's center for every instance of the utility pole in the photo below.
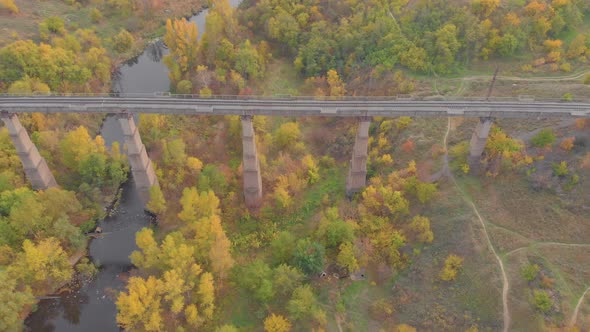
(492, 83)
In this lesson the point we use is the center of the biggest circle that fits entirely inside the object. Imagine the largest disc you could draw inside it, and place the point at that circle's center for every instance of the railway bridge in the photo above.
(361, 108)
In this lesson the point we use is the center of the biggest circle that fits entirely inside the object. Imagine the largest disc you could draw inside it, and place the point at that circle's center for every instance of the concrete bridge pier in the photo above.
(478, 142)
(35, 166)
(357, 175)
(251, 165)
(141, 165)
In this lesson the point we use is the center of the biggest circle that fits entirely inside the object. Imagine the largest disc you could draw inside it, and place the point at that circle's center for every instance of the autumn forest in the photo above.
(432, 243)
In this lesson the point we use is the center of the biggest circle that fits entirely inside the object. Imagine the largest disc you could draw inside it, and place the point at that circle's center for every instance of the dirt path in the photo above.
(575, 315)
(571, 77)
(538, 244)
(505, 283)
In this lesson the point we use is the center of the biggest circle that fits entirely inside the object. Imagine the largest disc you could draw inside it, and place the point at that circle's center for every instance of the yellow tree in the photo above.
(207, 295)
(337, 88)
(148, 256)
(182, 40)
(10, 5)
(157, 203)
(77, 145)
(139, 309)
(12, 302)
(276, 323)
(452, 266)
(43, 266)
(346, 257)
(420, 226)
(219, 254)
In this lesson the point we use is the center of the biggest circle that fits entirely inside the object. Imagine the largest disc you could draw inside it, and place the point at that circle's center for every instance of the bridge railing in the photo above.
(431, 98)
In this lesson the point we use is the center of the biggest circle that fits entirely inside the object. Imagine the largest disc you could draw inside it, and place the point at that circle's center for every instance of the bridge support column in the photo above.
(478, 142)
(357, 175)
(251, 165)
(35, 166)
(141, 165)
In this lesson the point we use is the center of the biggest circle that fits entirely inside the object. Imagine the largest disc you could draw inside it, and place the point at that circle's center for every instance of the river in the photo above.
(90, 306)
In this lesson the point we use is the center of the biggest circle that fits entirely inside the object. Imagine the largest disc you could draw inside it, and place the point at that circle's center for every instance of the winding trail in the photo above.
(575, 315)
(571, 77)
(539, 244)
(505, 283)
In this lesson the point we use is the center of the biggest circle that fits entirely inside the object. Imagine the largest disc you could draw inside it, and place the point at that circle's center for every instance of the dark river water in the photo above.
(91, 306)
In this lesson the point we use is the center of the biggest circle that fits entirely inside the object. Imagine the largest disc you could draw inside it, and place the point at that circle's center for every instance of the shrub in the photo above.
(582, 123)
(452, 266)
(51, 24)
(123, 41)
(587, 79)
(205, 92)
(86, 268)
(560, 169)
(544, 138)
(529, 272)
(566, 67)
(542, 301)
(95, 15)
(567, 144)
(184, 87)
(403, 122)
(381, 309)
(567, 97)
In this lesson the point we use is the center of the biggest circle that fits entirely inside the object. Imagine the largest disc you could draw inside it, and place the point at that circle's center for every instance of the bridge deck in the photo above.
(296, 106)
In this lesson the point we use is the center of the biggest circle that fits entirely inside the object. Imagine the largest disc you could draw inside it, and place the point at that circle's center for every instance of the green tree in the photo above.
(309, 256)
(446, 46)
(282, 247)
(257, 277)
(286, 278)
(247, 61)
(284, 28)
(303, 304)
(333, 231)
(123, 41)
(211, 178)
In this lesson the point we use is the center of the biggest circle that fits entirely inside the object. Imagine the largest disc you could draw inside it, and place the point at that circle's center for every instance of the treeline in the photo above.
(68, 62)
(422, 36)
